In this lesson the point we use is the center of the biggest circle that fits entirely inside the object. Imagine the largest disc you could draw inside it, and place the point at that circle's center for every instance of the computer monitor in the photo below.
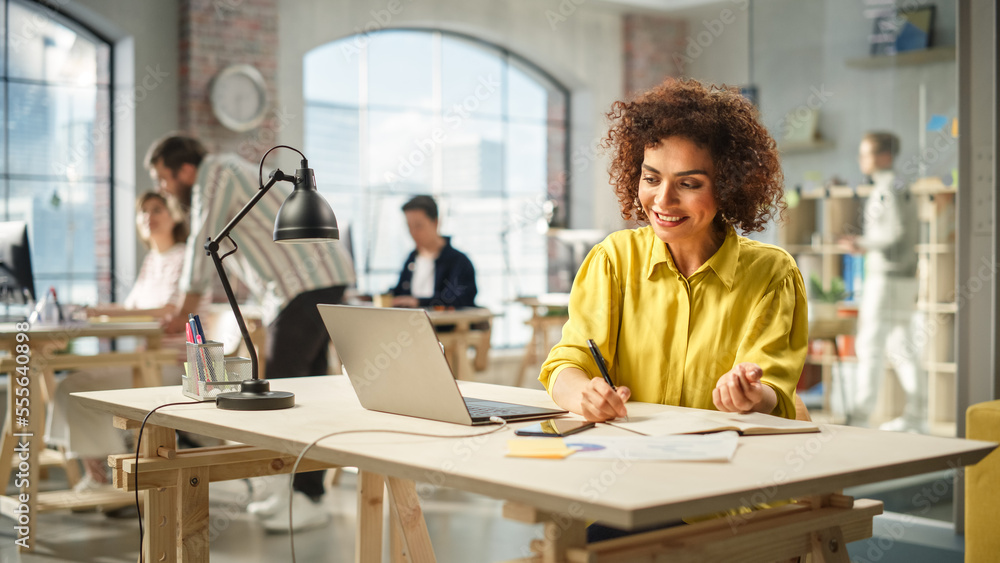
(17, 284)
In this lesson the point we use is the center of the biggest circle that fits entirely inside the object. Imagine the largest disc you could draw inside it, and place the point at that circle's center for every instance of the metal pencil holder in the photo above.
(208, 372)
(238, 369)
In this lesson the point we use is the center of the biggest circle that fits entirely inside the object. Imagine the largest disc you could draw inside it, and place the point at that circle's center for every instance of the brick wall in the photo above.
(213, 35)
(102, 192)
(650, 45)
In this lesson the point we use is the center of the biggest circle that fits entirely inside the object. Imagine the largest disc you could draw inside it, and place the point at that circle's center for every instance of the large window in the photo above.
(55, 171)
(398, 113)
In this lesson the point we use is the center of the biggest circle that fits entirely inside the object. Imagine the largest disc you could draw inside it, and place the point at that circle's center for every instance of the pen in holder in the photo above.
(207, 372)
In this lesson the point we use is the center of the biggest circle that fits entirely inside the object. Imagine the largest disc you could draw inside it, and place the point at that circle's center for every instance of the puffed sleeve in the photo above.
(594, 312)
(777, 339)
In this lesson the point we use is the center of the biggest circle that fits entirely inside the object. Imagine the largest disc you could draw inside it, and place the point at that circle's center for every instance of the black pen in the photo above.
(599, 360)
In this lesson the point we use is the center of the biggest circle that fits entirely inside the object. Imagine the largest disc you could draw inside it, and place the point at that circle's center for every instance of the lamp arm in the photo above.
(214, 253)
(212, 249)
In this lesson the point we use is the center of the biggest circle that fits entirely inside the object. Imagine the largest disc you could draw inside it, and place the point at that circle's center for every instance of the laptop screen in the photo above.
(394, 361)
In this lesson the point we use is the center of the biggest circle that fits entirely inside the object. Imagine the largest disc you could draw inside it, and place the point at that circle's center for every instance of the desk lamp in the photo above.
(303, 217)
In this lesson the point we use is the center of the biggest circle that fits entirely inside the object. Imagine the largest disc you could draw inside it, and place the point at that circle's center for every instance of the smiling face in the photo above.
(677, 194)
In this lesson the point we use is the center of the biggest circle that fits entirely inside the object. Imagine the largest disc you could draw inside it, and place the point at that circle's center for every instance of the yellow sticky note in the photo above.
(550, 448)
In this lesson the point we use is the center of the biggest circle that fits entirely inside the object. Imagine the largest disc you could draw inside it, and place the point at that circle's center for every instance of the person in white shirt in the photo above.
(86, 433)
(887, 312)
(435, 274)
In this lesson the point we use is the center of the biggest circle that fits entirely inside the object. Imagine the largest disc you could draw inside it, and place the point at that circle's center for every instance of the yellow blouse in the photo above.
(669, 338)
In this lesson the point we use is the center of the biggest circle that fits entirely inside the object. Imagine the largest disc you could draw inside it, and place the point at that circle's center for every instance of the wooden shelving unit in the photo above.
(810, 233)
(805, 146)
(936, 298)
(918, 57)
(820, 219)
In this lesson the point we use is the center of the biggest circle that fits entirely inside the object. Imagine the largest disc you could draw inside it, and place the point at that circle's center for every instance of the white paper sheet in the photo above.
(700, 447)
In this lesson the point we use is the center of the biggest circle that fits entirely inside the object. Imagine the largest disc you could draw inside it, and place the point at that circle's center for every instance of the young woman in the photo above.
(687, 311)
(86, 433)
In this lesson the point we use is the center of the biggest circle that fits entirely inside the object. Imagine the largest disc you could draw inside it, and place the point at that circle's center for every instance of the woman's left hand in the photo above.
(740, 390)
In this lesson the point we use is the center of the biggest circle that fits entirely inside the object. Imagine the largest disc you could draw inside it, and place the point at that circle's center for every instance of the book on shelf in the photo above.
(859, 276)
(853, 268)
(847, 267)
(664, 420)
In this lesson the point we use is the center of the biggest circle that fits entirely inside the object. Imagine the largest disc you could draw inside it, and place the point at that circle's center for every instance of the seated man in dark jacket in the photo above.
(435, 273)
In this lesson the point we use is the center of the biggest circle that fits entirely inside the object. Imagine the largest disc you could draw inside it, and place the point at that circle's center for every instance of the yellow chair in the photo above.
(982, 485)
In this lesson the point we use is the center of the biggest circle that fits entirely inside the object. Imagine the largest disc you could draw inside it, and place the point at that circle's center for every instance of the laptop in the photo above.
(396, 365)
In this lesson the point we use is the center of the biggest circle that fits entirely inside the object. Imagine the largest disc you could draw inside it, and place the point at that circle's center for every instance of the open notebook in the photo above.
(662, 420)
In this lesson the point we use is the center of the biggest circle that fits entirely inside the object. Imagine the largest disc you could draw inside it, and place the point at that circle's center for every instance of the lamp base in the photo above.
(255, 395)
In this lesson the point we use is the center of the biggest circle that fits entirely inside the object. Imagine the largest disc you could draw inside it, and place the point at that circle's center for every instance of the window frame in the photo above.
(504, 120)
(104, 280)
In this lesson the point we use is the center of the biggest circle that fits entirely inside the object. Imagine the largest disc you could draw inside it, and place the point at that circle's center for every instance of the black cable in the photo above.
(235, 248)
(138, 442)
(260, 170)
(295, 468)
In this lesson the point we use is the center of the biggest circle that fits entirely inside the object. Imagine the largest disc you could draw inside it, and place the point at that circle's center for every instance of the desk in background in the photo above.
(220, 325)
(562, 494)
(44, 342)
(466, 330)
(548, 312)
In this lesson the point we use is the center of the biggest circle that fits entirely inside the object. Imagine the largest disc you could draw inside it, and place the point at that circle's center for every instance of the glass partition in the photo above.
(863, 102)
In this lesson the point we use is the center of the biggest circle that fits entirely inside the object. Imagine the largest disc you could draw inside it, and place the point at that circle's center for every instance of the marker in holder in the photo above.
(208, 372)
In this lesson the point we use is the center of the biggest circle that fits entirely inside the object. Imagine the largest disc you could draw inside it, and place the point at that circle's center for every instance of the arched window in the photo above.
(402, 112)
(55, 157)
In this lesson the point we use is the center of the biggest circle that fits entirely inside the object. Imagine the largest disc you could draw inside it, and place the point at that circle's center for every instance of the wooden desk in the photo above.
(24, 425)
(456, 341)
(561, 493)
(546, 315)
(462, 335)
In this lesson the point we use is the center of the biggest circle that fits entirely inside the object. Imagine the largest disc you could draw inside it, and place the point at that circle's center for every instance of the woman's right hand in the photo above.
(589, 397)
(599, 402)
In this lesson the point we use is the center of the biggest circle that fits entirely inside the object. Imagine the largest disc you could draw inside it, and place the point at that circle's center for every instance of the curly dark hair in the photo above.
(748, 179)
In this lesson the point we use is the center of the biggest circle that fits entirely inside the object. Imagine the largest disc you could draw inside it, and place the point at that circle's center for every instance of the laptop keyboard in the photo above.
(480, 408)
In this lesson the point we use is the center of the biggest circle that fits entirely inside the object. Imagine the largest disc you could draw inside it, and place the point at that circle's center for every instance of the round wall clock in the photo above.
(239, 97)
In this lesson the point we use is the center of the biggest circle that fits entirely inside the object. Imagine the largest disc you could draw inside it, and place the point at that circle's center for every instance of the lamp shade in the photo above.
(305, 216)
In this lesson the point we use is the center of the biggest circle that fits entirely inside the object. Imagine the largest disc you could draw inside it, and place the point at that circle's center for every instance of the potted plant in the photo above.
(825, 299)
